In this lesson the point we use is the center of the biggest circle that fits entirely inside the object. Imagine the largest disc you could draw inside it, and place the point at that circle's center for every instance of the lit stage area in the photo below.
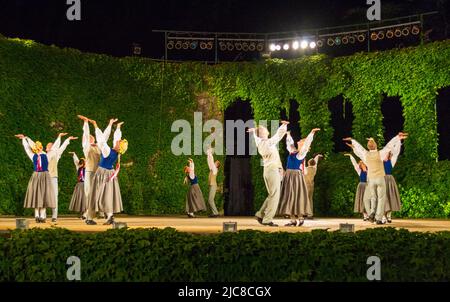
(205, 225)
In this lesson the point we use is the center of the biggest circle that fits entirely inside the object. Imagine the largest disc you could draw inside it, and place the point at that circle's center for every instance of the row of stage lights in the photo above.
(346, 39)
(209, 45)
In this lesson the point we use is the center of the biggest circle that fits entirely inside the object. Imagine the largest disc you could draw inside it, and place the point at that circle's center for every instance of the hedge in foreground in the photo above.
(168, 255)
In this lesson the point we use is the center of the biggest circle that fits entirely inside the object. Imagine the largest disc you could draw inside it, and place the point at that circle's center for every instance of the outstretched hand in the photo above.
(83, 117)
(349, 139)
(20, 136)
(113, 120)
(72, 138)
(285, 122)
(347, 154)
(120, 125)
(249, 130)
(315, 130)
(72, 153)
(62, 134)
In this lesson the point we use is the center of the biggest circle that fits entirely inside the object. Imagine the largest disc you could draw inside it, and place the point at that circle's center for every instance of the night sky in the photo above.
(112, 26)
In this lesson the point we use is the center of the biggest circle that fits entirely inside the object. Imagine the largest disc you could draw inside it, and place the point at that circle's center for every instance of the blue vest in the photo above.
(108, 162)
(193, 181)
(363, 176)
(293, 163)
(44, 163)
(387, 167)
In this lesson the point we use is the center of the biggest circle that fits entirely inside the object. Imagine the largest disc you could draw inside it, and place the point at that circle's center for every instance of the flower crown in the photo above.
(37, 147)
(123, 146)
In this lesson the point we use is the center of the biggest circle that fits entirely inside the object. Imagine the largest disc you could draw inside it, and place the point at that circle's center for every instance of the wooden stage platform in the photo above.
(215, 225)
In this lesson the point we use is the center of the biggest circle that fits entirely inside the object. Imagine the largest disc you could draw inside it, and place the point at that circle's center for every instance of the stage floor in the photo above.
(215, 225)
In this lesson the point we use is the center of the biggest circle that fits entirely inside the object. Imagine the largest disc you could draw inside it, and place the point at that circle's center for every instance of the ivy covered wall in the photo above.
(42, 88)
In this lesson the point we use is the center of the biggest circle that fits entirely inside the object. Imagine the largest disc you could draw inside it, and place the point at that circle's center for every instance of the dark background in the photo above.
(112, 27)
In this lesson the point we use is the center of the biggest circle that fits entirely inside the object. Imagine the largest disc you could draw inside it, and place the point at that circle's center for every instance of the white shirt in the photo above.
(361, 152)
(211, 165)
(102, 139)
(267, 147)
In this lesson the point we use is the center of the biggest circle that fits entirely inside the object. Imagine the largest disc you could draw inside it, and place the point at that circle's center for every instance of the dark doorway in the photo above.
(238, 188)
(341, 121)
(443, 124)
(393, 120)
(294, 127)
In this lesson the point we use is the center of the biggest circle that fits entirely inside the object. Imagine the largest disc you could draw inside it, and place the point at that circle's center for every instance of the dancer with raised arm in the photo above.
(194, 198)
(361, 169)
(392, 194)
(294, 193)
(212, 181)
(105, 194)
(40, 194)
(78, 201)
(310, 174)
(92, 155)
(376, 181)
(267, 148)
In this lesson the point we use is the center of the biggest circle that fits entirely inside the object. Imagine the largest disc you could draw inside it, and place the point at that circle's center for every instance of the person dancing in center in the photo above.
(78, 201)
(105, 194)
(212, 181)
(361, 169)
(267, 148)
(40, 194)
(194, 199)
(294, 193)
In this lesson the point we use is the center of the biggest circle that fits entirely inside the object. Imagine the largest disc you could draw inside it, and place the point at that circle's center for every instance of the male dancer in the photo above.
(267, 148)
(213, 170)
(376, 180)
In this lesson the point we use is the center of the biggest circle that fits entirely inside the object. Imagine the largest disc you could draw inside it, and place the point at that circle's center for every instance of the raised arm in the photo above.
(275, 139)
(63, 147)
(107, 132)
(289, 142)
(306, 146)
(117, 136)
(395, 153)
(27, 147)
(355, 164)
(359, 150)
(76, 161)
(390, 146)
(191, 169)
(86, 138)
(210, 160)
(102, 143)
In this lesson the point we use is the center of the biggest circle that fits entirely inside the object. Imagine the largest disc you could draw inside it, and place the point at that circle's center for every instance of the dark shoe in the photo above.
(83, 217)
(38, 220)
(389, 220)
(53, 219)
(292, 223)
(213, 216)
(259, 220)
(190, 215)
(109, 221)
(380, 222)
(309, 217)
(372, 217)
(101, 216)
(270, 224)
(300, 222)
(91, 222)
(42, 220)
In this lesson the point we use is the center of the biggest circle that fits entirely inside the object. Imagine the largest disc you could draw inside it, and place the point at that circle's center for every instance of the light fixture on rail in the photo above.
(260, 46)
(252, 46)
(194, 45)
(222, 46)
(380, 35)
(398, 32)
(405, 31)
(373, 36)
(170, 44)
(390, 34)
(230, 46)
(312, 44)
(238, 46)
(337, 41)
(295, 45)
(137, 49)
(415, 30)
(178, 45)
(344, 40)
(286, 46)
(361, 37)
(319, 43)
(304, 44)
(272, 47)
(352, 39)
(330, 42)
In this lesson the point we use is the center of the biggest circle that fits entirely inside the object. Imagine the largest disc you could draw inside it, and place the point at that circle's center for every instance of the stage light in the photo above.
(178, 45)
(286, 46)
(209, 45)
(22, 224)
(170, 45)
(252, 46)
(405, 31)
(361, 37)
(222, 46)
(352, 39)
(202, 45)
(245, 46)
(137, 50)
(337, 41)
(272, 47)
(312, 45)
(330, 42)
(238, 46)
(295, 45)
(373, 36)
(230, 46)
(260, 47)
(304, 44)
(186, 45)
(345, 40)
(398, 32)
(278, 47)
(380, 35)
(415, 30)
(230, 227)
(319, 43)
(390, 34)
(194, 44)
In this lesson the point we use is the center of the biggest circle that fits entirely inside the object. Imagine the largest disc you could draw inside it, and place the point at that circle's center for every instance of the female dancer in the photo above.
(294, 194)
(40, 194)
(105, 193)
(361, 169)
(194, 198)
(78, 201)
(309, 175)
(392, 194)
